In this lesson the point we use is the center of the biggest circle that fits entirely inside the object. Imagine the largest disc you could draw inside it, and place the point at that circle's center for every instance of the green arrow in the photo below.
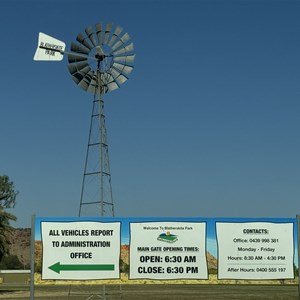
(58, 267)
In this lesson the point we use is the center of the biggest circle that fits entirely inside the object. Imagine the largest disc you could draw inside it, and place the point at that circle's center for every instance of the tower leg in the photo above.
(96, 192)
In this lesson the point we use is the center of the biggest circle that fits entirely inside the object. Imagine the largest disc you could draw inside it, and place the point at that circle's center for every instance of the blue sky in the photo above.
(207, 125)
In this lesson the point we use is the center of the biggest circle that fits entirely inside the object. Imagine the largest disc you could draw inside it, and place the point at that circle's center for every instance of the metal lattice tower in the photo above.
(99, 62)
(96, 185)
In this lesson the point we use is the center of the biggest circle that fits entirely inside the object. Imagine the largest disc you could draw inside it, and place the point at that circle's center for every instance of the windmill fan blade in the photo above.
(81, 39)
(78, 48)
(124, 50)
(84, 71)
(85, 82)
(107, 33)
(99, 33)
(90, 34)
(109, 82)
(112, 86)
(93, 84)
(119, 77)
(126, 59)
(72, 68)
(122, 68)
(116, 33)
(74, 58)
(78, 66)
(79, 75)
(124, 39)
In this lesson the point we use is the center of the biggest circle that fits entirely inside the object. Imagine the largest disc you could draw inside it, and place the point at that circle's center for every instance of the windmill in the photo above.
(99, 62)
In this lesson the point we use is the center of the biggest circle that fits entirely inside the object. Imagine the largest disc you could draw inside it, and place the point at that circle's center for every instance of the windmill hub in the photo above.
(99, 54)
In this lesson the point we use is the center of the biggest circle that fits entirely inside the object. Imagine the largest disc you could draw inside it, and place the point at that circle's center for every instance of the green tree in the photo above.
(11, 262)
(8, 196)
(8, 193)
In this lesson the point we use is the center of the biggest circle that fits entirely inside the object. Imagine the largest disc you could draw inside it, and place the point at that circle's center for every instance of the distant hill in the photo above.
(20, 240)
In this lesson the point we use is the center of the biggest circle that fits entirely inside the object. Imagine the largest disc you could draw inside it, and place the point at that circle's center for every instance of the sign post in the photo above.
(298, 241)
(32, 258)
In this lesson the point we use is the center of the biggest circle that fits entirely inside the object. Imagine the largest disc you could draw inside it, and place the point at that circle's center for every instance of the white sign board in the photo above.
(168, 250)
(49, 48)
(80, 250)
(255, 250)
